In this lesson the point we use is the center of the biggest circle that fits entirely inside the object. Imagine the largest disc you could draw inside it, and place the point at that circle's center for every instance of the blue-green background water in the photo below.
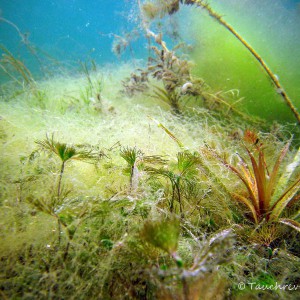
(78, 30)
(68, 30)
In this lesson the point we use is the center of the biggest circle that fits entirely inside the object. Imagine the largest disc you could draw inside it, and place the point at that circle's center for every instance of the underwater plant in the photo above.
(122, 43)
(10, 65)
(266, 198)
(132, 156)
(163, 234)
(20, 74)
(197, 281)
(181, 177)
(92, 92)
(204, 5)
(16, 69)
(172, 70)
(67, 153)
(165, 67)
(172, 98)
(157, 239)
(25, 176)
(136, 159)
(136, 83)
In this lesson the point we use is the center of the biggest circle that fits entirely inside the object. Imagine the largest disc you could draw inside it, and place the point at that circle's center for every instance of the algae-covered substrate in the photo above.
(101, 250)
(117, 187)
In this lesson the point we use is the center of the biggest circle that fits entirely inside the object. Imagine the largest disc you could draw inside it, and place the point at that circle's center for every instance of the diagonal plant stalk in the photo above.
(273, 77)
(168, 132)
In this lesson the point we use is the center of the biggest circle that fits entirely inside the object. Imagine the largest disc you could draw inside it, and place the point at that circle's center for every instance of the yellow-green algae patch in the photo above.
(86, 259)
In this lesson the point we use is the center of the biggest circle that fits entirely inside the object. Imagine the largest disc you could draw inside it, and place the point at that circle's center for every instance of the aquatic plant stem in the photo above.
(177, 185)
(66, 253)
(273, 77)
(132, 173)
(59, 228)
(60, 179)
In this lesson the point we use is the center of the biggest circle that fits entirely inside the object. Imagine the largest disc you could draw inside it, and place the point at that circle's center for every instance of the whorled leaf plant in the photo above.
(266, 198)
(171, 98)
(131, 155)
(182, 176)
(136, 159)
(67, 153)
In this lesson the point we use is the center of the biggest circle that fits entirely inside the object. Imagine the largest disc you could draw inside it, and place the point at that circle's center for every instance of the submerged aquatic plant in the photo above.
(163, 234)
(167, 68)
(67, 153)
(136, 159)
(172, 98)
(33, 50)
(120, 43)
(157, 9)
(101, 254)
(136, 83)
(197, 281)
(262, 184)
(132, 156)
(171, 69)
(91, 94)
(181, 178)
(10, 65)
(263, 64)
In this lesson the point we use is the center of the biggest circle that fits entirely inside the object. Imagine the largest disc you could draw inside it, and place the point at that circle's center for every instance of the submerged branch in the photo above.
(272, 76)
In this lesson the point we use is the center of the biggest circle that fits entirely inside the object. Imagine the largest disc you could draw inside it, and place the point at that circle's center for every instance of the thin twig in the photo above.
(273, 77)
